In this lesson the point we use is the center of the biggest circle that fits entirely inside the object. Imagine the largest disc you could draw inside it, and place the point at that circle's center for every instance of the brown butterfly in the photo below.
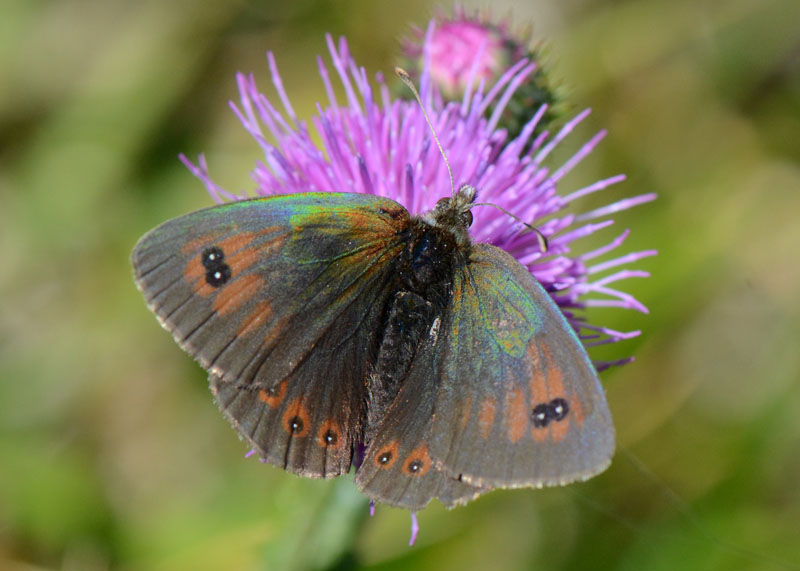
(340, 331)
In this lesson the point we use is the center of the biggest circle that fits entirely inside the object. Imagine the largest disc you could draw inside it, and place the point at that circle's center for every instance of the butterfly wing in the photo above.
(398, 468)
(279, 298)
(501, 393)
(519, 403)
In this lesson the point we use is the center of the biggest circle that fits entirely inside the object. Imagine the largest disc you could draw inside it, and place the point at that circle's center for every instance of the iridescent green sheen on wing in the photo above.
(327, 212)
(509, 313)
(356, 223)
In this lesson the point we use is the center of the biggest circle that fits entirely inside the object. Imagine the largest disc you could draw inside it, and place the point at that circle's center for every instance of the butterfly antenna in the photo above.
(405, 78)
(543, 245)
(403, 75)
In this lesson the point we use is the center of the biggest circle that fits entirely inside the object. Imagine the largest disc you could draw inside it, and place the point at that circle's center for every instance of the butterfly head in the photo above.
(455, 213)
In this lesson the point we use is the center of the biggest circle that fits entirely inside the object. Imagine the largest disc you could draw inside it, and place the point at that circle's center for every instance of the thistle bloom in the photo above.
(375, 144)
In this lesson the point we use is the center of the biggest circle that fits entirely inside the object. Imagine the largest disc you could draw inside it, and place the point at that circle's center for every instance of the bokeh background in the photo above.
(112, 454)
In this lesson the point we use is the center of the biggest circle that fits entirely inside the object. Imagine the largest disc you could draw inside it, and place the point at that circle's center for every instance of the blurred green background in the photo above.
(112, 454)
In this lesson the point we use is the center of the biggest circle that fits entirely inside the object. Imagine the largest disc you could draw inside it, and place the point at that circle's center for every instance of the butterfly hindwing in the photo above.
(285, 427)
(398, 468)
(519, 402)
(279, 298)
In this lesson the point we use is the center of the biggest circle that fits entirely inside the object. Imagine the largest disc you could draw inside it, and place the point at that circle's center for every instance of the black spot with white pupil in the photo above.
(540, 415)
(330, 438)
(296, 425)
(559, 409)
(218, 277)
(415, 466)
(554, 411)
(212, 257)
(217, 271)
(385, 457)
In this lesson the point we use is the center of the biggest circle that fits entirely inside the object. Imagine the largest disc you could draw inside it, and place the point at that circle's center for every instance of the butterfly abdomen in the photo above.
(424, 279)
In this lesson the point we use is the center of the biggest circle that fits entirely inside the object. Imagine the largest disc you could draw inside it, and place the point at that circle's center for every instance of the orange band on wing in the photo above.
(236, 293)
(516, 414)
(274, 396)
(486, 416)
(257, 317)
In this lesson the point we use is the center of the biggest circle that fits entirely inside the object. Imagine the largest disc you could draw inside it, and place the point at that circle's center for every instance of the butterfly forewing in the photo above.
(519, 402)
(279, 298)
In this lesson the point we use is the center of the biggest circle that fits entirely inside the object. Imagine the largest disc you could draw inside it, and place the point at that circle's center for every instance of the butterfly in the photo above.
(340, 331)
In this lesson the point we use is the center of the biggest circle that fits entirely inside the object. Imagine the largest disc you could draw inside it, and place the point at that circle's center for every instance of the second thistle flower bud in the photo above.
(464, 49)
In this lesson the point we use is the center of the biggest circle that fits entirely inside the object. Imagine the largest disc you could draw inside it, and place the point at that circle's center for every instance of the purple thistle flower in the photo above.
(375, 144)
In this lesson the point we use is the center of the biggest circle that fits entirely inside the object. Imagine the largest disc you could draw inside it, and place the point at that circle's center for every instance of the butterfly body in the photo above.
(339, 330)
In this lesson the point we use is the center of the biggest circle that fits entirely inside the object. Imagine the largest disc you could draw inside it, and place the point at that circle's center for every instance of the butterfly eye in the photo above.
(443, 203)
(466, 218)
